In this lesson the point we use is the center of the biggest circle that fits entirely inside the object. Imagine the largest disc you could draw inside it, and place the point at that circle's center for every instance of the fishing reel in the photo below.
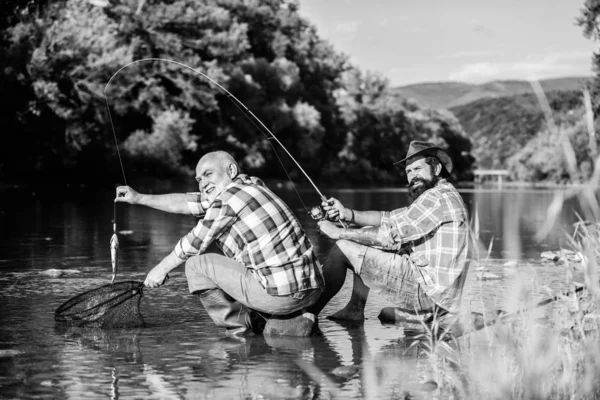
(317, 213)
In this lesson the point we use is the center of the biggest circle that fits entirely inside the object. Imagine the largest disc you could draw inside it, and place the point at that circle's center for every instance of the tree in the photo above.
(590, 23)
(165, 115)
(381, 127)
(262, 51)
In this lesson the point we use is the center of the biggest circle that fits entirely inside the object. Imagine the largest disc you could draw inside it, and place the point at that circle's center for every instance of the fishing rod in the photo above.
(315, 212)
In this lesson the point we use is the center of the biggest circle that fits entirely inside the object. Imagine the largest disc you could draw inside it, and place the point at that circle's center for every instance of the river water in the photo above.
(54, 247)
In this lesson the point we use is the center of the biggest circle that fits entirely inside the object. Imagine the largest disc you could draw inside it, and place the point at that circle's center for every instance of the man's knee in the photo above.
(192, 266)
(197, 275)
(198, 265)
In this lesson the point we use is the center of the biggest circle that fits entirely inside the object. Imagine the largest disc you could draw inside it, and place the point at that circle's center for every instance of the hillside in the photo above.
(499, 127)
(454, 94)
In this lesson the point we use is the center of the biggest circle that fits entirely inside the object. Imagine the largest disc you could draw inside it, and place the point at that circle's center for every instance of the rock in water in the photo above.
(295, 325)
(345, 371)
(488, 276)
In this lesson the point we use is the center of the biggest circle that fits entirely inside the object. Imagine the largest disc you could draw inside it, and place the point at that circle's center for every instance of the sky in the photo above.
(474, 41)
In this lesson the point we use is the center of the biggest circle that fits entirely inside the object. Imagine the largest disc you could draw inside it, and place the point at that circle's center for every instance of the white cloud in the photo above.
(346, 28)
(472, 54)
(574, 63)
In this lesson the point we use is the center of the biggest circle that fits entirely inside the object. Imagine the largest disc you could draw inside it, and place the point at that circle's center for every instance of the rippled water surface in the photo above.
(55, 247)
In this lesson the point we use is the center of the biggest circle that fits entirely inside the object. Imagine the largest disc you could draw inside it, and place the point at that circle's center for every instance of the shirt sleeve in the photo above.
(217, 220)
(197, 203)
(417, 220)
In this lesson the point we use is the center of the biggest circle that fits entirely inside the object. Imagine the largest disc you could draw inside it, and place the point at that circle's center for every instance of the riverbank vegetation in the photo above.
(58, 56)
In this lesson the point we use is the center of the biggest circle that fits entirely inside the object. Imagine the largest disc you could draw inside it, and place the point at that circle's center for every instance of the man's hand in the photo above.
(125, 194)
(156, 277)
(334, 209)
(329, 229)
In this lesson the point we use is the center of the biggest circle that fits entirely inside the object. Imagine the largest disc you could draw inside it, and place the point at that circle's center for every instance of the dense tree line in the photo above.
(500, 127)
(341, 124)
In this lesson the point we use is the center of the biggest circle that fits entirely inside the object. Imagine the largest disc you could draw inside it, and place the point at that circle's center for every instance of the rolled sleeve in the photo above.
(217, 220)
(197, 203)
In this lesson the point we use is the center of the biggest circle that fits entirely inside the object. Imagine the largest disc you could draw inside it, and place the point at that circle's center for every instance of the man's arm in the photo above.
(368, 236)
(216, 222)
(361, 218)
(334, 209)
(176, 203)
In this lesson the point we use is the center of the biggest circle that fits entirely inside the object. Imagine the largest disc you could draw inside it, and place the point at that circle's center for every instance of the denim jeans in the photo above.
(212, 270)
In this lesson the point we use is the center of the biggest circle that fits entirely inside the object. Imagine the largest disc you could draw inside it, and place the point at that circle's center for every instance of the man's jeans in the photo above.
(212, 271)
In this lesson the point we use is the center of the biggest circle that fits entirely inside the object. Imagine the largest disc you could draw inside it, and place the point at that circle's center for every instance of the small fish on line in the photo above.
(114, 252)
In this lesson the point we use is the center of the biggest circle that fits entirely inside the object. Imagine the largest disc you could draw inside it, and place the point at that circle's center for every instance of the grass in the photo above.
(524, 356)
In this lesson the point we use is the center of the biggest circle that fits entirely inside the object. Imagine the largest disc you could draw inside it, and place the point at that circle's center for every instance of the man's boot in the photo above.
(225, 311)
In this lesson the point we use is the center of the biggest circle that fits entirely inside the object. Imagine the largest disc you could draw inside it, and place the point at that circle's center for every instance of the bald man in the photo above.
(247, 258)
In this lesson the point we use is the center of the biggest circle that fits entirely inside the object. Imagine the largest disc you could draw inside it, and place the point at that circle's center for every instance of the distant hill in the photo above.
(500, 127)
(453, 94)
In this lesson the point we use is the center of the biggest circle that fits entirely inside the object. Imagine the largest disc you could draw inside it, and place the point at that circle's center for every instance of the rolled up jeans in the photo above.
(212, 271)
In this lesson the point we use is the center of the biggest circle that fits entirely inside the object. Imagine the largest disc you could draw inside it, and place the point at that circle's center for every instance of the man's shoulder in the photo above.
(444, 188)
(246, 189)
(247, 180)
(452, 197)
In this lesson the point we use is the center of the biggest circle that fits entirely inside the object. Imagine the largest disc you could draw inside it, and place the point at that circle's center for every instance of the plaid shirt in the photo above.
(434, 231)
(255, 227)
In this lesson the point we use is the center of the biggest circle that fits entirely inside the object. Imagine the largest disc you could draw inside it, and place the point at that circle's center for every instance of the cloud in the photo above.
(574, 63)
(472, 54)
(346, 28)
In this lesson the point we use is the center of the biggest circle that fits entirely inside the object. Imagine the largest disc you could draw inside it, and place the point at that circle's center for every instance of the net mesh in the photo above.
(109, 307)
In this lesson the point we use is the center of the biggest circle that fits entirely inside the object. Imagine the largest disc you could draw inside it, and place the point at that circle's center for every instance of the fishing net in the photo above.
(108, 307)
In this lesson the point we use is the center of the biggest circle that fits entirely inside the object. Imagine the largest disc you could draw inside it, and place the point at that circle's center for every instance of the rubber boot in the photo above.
(225, 311)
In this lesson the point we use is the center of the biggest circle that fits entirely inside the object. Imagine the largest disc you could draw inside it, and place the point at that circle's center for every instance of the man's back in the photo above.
(255, 227)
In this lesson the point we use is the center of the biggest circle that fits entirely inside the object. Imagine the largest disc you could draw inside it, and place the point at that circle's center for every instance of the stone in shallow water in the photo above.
(345, 371)
(296, 325)
(488, 276)
(562, 256)
(9, 352)
(456, 324)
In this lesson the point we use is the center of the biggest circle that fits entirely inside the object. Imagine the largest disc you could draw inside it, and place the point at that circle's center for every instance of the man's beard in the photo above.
(415, 192)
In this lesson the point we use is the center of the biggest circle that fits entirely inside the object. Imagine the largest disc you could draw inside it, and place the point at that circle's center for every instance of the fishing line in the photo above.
(245, 111)
(114, 240)
(115, 134)
(274, 151)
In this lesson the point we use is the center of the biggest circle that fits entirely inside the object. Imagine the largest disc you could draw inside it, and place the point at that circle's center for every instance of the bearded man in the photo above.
(419, 255)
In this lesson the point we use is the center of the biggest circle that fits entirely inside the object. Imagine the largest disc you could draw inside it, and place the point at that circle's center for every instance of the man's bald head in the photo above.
(215, 171)
(222, 159)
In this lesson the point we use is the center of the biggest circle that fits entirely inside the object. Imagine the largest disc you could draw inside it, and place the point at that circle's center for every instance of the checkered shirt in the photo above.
(255, 227)
(434, 231)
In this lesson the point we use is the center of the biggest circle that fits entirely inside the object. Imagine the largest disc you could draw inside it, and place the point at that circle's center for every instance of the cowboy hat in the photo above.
(416, 148)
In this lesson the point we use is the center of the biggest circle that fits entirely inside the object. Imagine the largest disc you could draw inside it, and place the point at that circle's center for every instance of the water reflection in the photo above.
(52, 249)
